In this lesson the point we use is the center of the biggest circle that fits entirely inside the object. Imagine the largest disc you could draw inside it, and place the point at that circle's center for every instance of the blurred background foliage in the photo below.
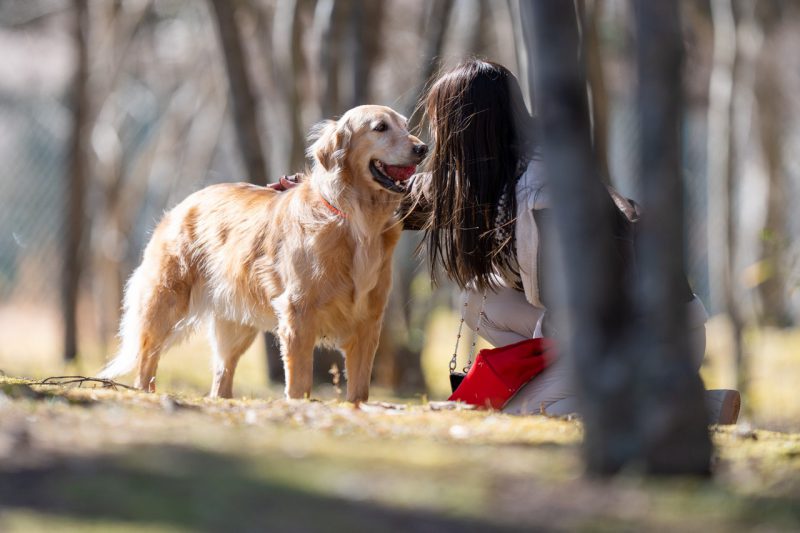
(111, 111)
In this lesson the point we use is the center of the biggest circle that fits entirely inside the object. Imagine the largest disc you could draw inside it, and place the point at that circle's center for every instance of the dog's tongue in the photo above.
(399, 173)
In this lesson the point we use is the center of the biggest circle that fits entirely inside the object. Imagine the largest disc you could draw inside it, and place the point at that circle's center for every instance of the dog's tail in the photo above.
(129, 331)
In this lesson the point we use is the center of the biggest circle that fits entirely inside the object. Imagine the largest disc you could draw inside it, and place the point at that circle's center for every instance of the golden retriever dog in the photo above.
(312, 263)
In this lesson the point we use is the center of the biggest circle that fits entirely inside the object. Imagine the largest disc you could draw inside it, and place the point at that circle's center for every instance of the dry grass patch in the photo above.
(71, 458)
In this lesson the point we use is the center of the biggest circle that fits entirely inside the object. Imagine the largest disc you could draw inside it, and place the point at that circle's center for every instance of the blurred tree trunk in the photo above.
(436, 20)
(671, 418)
(245, 109)
(593, 304)
(109, 224)
(744, 234)
(76, 187)
(472, 18)
(722, 173)
(598, 96)
(326, 32)
(775, 310)
(366, 19)
(398, 364)
(289, 74)
(523, 50)
(737, 41)
(773, 290)
(625, 406)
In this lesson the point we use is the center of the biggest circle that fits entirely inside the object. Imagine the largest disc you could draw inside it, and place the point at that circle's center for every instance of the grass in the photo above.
(772, 360)
(92, 459)
(99, 460)
(772, 366)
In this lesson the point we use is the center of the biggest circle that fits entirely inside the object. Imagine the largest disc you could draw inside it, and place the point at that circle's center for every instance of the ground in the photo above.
(102, 460)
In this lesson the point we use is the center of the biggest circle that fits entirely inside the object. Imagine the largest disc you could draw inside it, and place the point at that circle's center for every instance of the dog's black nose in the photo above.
(420, 149)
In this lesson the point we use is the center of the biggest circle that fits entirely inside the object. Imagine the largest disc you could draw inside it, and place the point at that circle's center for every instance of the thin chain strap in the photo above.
(454, 359)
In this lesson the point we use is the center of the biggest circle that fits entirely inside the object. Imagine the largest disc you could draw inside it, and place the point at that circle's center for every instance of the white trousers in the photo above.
(508, 318)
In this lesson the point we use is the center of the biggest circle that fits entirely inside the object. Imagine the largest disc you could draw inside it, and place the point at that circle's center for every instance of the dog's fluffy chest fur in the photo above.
(369, 259)
(348, 273)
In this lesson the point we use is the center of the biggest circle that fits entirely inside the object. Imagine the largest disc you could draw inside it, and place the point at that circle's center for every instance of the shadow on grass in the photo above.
(200, 491)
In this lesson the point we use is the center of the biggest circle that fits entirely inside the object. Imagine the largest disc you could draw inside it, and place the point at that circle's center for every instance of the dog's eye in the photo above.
(380, 126)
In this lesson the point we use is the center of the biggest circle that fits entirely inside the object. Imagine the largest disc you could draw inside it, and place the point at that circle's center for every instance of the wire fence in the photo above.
(33, 149)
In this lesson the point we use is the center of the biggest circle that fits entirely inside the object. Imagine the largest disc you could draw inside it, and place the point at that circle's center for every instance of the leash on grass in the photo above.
(63, 381)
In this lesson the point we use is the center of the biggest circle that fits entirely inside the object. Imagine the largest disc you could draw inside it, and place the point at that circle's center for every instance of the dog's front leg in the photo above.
(298, 336)
(359, 349)
(359, 353)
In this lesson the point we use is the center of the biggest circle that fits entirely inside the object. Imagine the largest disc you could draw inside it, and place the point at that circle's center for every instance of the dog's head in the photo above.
(370, 146)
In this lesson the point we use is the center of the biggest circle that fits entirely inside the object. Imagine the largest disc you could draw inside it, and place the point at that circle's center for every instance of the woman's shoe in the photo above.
(723, 406)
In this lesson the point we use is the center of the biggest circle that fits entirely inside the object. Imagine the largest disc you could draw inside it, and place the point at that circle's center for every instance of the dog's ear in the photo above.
(329, 141)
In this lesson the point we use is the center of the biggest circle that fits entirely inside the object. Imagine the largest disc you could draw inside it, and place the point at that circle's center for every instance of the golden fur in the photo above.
(243, 259)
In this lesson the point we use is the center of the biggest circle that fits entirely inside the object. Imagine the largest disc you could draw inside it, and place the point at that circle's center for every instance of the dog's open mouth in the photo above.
(391, 177)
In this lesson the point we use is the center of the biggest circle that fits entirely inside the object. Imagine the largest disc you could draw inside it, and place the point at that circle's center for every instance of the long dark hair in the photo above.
(481, 130)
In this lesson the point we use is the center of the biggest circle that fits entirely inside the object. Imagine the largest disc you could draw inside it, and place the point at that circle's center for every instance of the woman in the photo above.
(481, 207)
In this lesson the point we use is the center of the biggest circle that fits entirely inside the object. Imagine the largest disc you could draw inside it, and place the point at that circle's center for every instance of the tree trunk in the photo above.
(523, 49)
(720, 158)
(625, 387)
(366, 19)
(330, 34)
(326, 48)
(437, 17)
(592, 307)
(597, 88)
(722, 176)
(108, 225)
(743, 235)
(671, 417)
(76, 187)
(245, 110)
(289, 71)
(771, 121)
(398, 363)
(471, 18)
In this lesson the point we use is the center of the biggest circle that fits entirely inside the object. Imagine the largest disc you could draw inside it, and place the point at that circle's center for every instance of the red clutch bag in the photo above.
(497, 374)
